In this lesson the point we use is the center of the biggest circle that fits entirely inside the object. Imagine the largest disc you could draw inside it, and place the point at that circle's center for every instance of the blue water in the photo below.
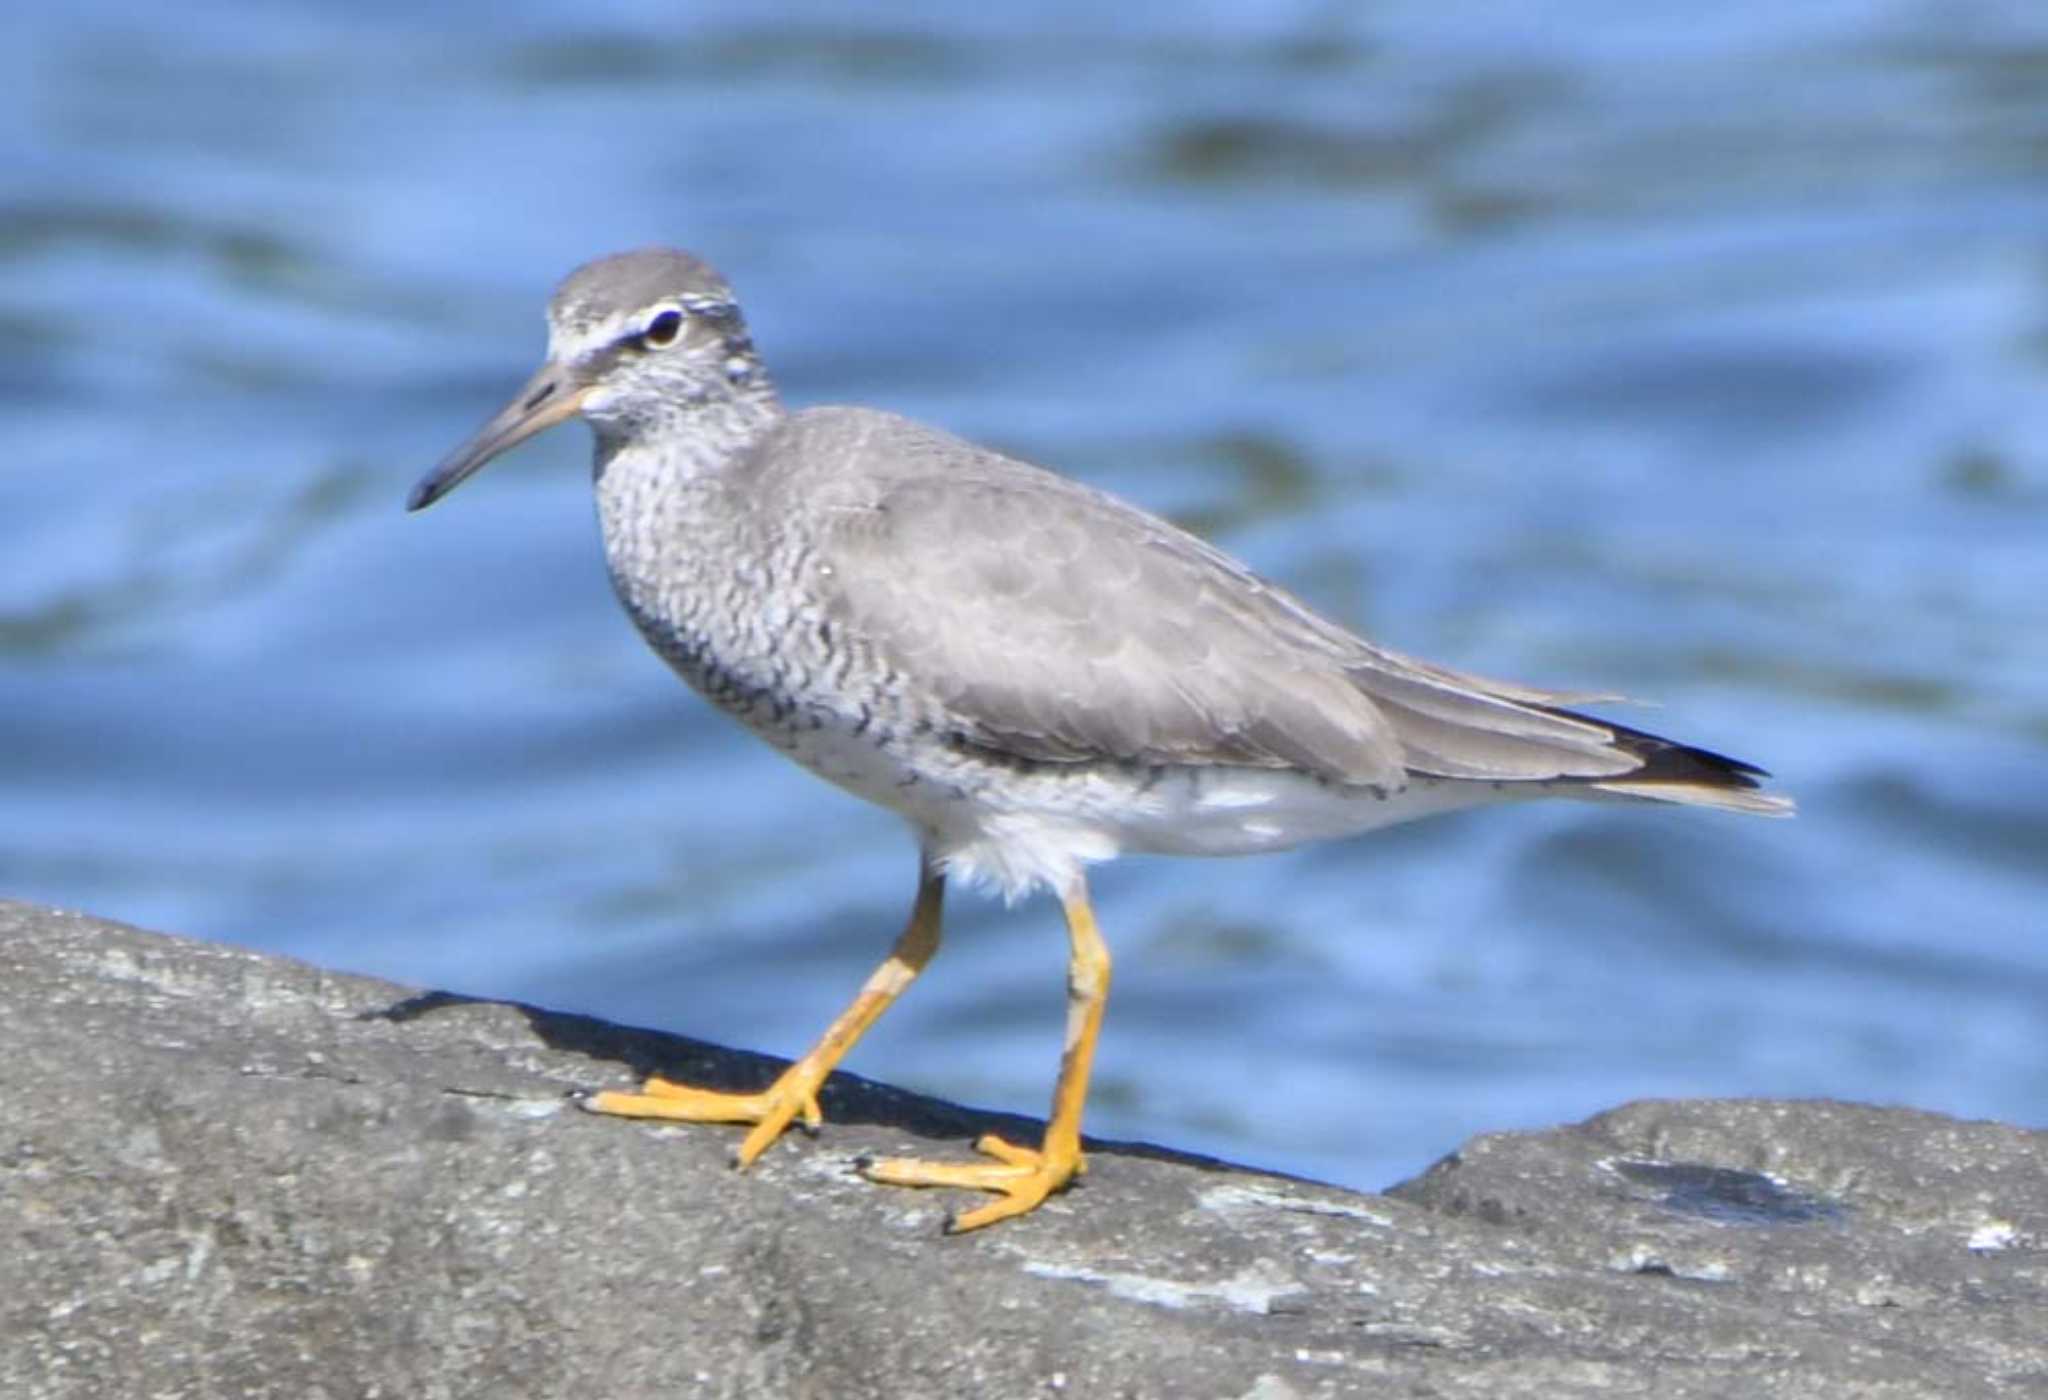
(1697, 357)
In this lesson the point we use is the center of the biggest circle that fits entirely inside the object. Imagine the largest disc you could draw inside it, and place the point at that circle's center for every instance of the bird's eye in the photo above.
(662, 331)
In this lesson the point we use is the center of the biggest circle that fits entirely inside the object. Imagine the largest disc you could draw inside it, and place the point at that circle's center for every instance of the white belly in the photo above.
(1018, 828)
(1033, 835)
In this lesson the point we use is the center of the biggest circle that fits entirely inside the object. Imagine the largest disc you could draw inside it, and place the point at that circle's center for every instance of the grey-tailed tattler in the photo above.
(1034, 674)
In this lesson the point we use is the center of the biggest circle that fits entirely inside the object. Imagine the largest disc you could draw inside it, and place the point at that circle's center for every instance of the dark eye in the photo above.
(662, 330)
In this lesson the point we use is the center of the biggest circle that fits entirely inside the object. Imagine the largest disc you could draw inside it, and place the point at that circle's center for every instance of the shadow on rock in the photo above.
(845, 1098)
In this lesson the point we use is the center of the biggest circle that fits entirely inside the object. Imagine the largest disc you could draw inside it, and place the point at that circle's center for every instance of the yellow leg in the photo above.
(796, 1091)
(1022, 1176)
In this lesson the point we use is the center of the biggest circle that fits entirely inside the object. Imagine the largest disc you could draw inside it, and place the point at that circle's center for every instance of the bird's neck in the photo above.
(667, 492)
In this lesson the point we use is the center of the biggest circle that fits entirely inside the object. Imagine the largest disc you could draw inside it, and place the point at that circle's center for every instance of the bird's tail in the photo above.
(1674, 772)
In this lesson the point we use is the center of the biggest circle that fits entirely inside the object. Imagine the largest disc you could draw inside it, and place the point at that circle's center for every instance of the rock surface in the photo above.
(229, 1174)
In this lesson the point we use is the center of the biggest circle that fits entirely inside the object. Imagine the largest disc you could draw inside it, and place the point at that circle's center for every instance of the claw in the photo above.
(793, 1095)
(1022, 1177)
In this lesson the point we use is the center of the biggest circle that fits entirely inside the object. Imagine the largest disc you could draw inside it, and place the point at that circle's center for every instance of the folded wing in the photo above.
(1060, 624)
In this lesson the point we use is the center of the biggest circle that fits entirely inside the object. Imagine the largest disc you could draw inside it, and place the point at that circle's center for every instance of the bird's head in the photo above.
(635, 341)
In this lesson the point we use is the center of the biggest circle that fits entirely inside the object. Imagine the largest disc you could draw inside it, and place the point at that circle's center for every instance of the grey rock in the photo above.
(229, 1174)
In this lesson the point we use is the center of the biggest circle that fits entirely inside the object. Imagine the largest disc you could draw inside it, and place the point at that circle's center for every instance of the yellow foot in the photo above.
(794, 1095)
(1023, 1176)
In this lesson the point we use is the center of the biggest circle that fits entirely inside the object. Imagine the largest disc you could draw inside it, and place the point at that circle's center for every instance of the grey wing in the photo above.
(1053, 622)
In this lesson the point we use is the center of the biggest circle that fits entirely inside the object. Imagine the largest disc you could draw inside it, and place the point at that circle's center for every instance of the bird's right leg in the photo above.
(1023, 1177)
(796, 1091)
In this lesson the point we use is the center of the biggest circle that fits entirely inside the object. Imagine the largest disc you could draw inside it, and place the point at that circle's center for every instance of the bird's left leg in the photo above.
(795, 1093)
(1023, 1176)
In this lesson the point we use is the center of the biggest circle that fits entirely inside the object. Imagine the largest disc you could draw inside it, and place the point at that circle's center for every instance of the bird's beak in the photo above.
(554, 393)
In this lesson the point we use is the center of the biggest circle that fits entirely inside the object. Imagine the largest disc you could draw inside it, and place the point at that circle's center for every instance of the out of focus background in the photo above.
(1695, 356)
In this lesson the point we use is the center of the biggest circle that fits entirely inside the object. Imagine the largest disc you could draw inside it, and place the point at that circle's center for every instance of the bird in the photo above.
(1035, 674)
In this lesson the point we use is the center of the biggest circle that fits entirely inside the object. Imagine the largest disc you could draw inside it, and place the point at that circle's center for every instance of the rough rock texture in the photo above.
(226, 1174)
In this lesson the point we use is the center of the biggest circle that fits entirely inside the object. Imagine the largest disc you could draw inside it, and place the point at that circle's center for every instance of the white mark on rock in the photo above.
(197, 1251)
(1237, 1198)
(1251, 1290)
(827, 1165)
(1992, 1236)
(1643, 1259)
(534, 1108)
